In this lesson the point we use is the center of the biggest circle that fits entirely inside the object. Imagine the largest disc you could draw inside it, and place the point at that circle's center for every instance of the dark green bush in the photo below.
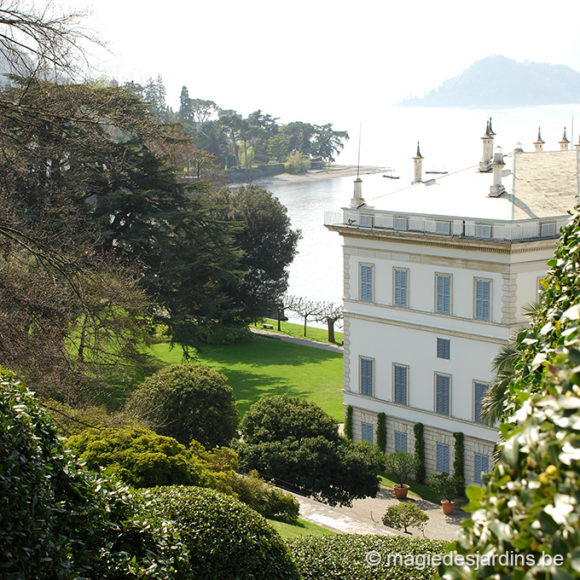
(188, 402)
(420, 473)
(348, 422)
(344, 557)
(382, 432)
(459, 463)
(226, 539)
(139, 457)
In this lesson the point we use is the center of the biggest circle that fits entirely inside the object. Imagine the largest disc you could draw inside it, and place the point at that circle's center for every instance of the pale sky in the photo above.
(310, 60)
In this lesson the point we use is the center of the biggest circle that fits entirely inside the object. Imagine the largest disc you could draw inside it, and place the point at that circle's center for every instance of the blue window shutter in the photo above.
(366, 283)
(400, 385)
(481, 466)
(401, 288)
(482, 299)
(480, 390)
(367, 432)
(442, 394)
(366, 377)
(443, 294)
(443, 348)
(400, 441)
(442, 459)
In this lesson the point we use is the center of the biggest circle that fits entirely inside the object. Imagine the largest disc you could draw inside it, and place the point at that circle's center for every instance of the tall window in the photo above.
(366, 282)
(479, 392)
(443, 294)
(442, 458)
(481, 463)
(400, 287)
(483, 299)
(442, 394)
(443, 348)
(400, 379)
(400, 441)
(366, 376)
(367, 432)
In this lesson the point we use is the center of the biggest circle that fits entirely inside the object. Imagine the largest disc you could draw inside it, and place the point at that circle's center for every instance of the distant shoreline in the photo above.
(319, 174)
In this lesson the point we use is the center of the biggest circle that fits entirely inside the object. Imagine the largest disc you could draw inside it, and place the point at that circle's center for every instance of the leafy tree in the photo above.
(295, 443)
(444, 485)
(279, 147)
(304, 308)
(326, 142)
(527, 505)
(185, 113)
(300, 135)
(405, 515)
(188, 402)
(154, 94)
(297, 162)
(267, 241)
(402, 465)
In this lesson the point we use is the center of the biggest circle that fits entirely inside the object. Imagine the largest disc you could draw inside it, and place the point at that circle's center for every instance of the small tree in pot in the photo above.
(406, 515)
(403, 466)
(445, 486)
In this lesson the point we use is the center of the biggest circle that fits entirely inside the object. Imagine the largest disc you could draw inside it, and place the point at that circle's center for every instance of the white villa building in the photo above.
(436, 276)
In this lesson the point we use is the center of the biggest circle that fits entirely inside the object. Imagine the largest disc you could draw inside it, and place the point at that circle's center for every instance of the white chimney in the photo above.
(498, 164)
(485, 163)
(357, 198)
(418, 166)
(539, 143)
(564, 143)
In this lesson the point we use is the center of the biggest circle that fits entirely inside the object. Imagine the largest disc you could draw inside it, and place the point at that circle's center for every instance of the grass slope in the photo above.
(265, 367)
(297, 330)
(301, 528)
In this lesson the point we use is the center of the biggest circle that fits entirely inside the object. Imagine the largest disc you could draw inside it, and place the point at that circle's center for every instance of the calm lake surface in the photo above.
(450, 139)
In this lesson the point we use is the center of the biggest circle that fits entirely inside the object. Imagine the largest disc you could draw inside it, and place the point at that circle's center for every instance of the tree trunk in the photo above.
(305, 319)
(330, 323)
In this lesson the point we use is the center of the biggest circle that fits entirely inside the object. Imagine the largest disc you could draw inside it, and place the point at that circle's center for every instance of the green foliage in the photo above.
(381, 432)
(348, 423)
(444, 485)
(405, 515)
(459, 463)
(279, 418)
(225, 538)
(528, 504)
(294, 442)
(297, 163)
(344, 557)
(139, 457)
(188, 402)
(59, 521)
(402, 465)
(420, 473)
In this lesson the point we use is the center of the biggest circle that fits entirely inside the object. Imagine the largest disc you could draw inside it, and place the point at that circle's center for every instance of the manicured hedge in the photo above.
(347, 557)
(225, 538)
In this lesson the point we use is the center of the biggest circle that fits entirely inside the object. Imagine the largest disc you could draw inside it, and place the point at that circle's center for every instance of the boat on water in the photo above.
(390, 175)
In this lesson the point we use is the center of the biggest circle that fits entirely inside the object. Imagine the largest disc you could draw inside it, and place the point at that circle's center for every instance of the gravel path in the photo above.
(295, 340)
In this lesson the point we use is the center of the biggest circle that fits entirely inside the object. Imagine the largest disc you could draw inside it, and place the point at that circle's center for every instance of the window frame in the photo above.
(363, 425)
(450, 296)
(406, 367)
(477, 419)
(407, 276)
(401, 435)
(362, 358)
(441, 445)
(477, 475)
(475, 299)
(440, 340)
(371, 267)
(449, 390)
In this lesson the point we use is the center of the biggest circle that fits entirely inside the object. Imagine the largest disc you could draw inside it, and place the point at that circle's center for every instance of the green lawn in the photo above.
(265, 366)
(297, 330)
(302, 528)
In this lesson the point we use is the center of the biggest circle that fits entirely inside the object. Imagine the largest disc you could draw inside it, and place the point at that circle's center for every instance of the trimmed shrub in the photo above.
(348, 423)
(459, 464)
(405, 515)
(188, 402)
(139, 457)
(382, 432)
(297, 163)
(364, 557)
(420, 473)
(226, 539)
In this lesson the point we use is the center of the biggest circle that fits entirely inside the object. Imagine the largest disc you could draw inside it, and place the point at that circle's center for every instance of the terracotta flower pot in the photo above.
(448, 506)
(401, 492)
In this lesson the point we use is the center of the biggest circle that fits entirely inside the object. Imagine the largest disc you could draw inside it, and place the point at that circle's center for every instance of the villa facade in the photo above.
(436, 277)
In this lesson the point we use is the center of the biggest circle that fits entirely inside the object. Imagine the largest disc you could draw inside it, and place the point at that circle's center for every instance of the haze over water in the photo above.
(450, 139)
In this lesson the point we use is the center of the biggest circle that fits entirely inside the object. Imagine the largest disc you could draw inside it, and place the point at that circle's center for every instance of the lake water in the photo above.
(450, 139)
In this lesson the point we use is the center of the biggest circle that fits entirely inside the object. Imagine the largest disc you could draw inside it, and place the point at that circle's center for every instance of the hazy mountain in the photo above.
(497, 81)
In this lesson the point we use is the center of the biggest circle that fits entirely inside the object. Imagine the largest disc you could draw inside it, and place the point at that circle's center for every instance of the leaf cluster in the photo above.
(405, 515)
